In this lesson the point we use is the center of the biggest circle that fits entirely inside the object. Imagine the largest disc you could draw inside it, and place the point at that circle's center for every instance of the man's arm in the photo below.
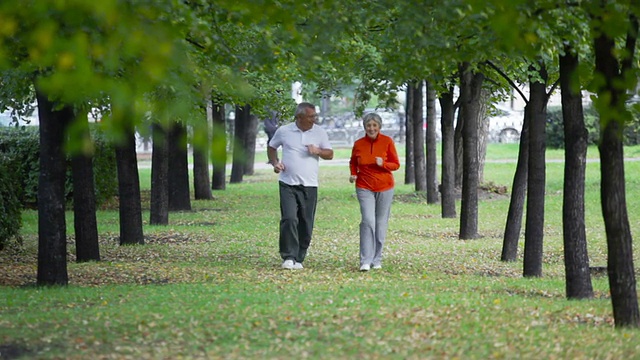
(325, 154)
(272, 155)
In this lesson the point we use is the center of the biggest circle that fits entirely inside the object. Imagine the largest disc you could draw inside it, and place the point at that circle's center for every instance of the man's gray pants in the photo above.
(375, 208)
(297, 213)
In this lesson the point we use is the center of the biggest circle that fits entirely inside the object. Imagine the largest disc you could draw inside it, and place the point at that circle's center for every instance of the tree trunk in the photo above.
(52, 231)
(218, 147)
(179, 196)
(432, 180)
(483, 132)
(576, 258)
(622, 281)
(84, 201)
(251, 133)
(418, 138)
(409, 169)
(129, 190)
(458, 149)
(518, 194)
(159, 206)
(239, 125)
(447, 188)
(470, 88)
(534, 230)
(201, 185)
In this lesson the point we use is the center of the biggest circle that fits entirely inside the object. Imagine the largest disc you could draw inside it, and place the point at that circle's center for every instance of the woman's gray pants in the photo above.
(375, 208)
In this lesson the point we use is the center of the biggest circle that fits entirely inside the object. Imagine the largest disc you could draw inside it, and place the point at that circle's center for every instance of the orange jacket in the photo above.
(363, 163)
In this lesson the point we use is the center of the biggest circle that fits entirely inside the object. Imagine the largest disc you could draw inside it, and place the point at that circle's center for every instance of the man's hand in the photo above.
(313, 150)
(278, 167)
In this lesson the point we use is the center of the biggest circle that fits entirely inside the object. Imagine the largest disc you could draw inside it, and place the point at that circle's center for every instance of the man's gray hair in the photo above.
(301, 109)
(371, 117)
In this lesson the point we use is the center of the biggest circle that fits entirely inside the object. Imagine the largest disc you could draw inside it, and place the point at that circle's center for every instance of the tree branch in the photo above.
(630, 44)
(513, 85)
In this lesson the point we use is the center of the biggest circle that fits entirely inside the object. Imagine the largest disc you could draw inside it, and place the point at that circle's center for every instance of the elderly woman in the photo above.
(373, 158)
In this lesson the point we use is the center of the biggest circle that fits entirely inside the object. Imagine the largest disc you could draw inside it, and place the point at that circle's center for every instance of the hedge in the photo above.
(23, 146)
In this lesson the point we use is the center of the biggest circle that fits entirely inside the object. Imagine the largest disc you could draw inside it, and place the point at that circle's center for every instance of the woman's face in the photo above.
(372, 128)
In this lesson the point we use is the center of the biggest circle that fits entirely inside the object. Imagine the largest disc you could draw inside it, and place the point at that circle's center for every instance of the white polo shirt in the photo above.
(300, 167)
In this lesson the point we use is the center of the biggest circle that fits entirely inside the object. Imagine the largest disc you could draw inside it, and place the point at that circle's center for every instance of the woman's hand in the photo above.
(352, 178)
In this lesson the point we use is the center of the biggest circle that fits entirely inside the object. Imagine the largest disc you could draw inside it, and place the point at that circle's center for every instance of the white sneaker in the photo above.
(288, 264)
(365, 267)
(298, 266)
(377, 266)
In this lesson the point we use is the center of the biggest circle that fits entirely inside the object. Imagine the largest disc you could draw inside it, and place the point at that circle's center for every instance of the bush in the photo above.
(555, 128)
(10, 207)
(23, 145)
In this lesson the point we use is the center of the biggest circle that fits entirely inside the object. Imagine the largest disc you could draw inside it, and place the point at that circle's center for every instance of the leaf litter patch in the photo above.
(487, 191)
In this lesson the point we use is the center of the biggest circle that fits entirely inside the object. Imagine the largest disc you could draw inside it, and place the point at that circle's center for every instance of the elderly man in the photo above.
(303, 144)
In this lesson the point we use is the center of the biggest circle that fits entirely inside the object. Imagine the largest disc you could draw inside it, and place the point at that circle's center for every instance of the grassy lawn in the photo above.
(210, 286)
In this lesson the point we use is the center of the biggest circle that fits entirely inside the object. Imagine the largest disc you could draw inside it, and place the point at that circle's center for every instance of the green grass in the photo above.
(209, 285)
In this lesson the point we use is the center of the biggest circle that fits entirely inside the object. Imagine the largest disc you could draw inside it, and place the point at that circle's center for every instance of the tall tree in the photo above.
(483, 130)
(239, 131)
(417, 118)
(409, 169)
(201, 185)
(179, 195)
(534, 230)
(470, 90)
(513, 225)
(458, 149)
(218, 146)
(159, 202)
(52, 230)
(431, 158)
(576, 258)
(251, 132)
(447, 108)
(128, 185)
(84, 199)
(613, 76)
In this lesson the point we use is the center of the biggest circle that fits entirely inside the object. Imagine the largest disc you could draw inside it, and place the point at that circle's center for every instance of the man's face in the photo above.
(305, 121)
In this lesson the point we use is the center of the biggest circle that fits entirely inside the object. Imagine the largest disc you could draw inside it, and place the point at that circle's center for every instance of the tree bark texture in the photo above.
(201, 185)
(447, 188)
(518, 194)
(218, 147)
(483, 132)
(129, 191)
(418, 138)
(458, 150)
(84, 202)
(251, 133)
(159, 204)
(620, 268)
(470, 87)
(239, 125)
(432, 179)
(534, 229)
(179, 195)
(409, 169)
(52, 233)
(576, 258)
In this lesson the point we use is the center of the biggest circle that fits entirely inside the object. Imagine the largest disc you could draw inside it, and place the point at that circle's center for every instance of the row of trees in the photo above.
(170, 58)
